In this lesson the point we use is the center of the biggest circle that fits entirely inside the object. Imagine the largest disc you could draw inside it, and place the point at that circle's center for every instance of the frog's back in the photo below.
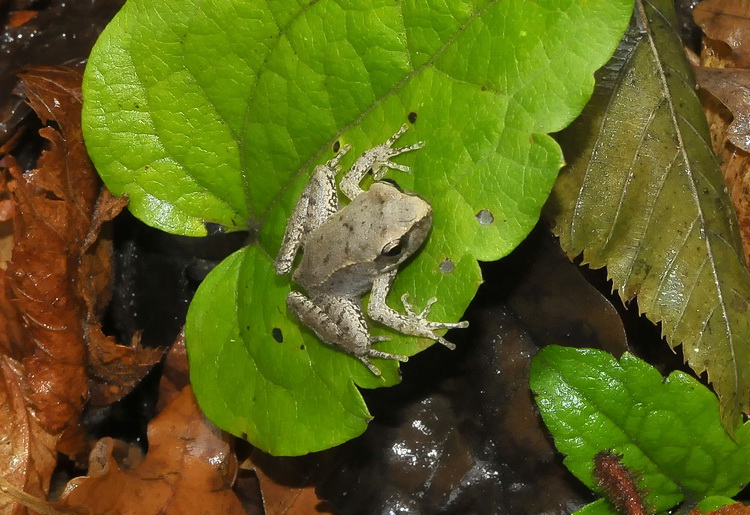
(346, 253)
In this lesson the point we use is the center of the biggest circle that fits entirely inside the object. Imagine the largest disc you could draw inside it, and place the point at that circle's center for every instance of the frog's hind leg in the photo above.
(339, 323)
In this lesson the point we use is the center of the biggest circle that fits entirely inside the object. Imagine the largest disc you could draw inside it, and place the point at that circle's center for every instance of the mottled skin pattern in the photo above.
(350, 251)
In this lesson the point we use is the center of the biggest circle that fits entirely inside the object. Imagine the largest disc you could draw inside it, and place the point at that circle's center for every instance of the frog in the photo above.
(355, 249)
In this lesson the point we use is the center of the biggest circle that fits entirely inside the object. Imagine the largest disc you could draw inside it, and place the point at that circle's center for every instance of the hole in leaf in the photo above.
(485, 217)
(277, 335)
(213, 229)
(412, 117)
(447, 266)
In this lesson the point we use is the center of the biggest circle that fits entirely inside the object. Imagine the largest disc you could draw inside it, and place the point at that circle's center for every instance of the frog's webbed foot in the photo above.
(383, 153)
(429, 326)
(377, 160)
(374, 353)
(412, 323)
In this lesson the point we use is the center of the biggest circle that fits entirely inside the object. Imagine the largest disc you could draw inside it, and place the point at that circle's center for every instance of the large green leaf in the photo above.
(644, 197)
(669, 431)
(216, 111)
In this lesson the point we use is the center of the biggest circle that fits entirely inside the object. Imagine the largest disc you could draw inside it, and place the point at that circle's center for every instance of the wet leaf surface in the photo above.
(727, 21)
(189, 468)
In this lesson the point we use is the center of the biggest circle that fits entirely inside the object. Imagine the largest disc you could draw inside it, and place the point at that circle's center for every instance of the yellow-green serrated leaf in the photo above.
(644, 196)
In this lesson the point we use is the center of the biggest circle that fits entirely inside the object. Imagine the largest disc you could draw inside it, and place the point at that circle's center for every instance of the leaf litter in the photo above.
(189, 468)
(724, 76)
(56, 358)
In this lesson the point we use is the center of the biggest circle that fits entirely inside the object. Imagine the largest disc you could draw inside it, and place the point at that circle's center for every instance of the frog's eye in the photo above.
(392, 249)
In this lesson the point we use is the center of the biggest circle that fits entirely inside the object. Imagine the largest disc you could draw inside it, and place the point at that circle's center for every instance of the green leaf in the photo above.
(713, 503)
(668, 431)
(598, 507)
(216, 111)
(644, 197)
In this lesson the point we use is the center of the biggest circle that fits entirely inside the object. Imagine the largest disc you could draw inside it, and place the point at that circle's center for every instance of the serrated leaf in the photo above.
(644, 197)
(668, 431)
(217, 111)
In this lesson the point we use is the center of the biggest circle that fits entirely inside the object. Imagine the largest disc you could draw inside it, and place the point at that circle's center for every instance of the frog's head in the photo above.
(404, 223)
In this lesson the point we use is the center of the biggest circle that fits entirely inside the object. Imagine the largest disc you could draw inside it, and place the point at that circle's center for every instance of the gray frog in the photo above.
(356, 249)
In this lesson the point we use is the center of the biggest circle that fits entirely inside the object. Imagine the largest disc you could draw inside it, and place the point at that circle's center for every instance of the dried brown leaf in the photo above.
(114, 370)
(732, 88)
(288, 487)
(727, 21)
(61, 209)
(28, 453)
(54, 204)
(279, 499)
(735, 162)
(189, 468)
(53, 289)
(175, 375)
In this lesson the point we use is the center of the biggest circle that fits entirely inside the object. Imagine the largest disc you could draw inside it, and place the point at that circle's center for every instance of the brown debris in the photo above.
(189, 468)
(723, 76)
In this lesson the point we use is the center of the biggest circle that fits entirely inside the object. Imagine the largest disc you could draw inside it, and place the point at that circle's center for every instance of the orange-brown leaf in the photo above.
(54, 288)
(727, 21)
(189, 468)
(114, 370)
(60, 271)
(734, 160)
(28, 455)
(175, 375)
(283, 490)
(732, 88)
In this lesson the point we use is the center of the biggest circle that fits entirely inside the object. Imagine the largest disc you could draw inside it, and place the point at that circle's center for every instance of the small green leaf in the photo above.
(668, 431)
(216, 111)
(598, 507)
(713, 503)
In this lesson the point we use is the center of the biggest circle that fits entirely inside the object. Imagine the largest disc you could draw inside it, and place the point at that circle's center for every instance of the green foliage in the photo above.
(216, 111)
(644, 196)
(668, 431)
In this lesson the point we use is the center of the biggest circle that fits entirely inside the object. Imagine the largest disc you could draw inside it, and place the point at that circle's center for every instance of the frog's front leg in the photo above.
(377, 159)
(318, 201)
(412, 323)
(339, 322)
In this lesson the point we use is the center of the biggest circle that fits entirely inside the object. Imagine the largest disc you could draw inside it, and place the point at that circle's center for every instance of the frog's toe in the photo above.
(380, 172)
(374, 353)
(443, 341)
(410, 309)
(375, 370)
(387, 355)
